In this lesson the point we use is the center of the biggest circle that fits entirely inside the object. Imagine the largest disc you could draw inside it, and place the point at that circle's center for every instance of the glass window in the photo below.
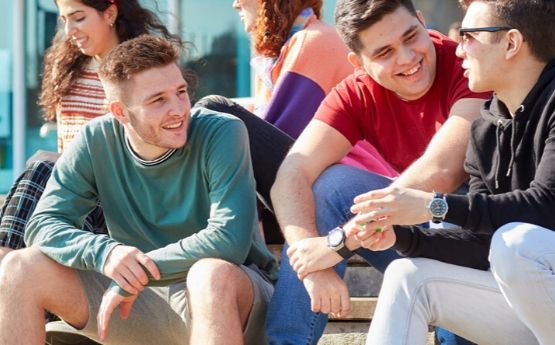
(220, 50)
(39, 33)
(6, 92)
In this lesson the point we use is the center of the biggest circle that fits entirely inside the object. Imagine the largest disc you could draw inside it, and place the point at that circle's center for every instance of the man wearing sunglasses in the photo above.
(507, 47)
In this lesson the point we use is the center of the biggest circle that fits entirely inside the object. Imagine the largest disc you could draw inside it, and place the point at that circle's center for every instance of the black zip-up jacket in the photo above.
(511, 163)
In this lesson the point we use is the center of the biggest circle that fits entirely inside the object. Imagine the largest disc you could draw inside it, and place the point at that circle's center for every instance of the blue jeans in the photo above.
(290, 320)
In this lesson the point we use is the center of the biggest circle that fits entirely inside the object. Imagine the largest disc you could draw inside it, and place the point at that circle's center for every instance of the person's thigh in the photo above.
(523, 261)
(263, 290)
(32, 283)
(335, 189)
(153, 320)
(420, 292)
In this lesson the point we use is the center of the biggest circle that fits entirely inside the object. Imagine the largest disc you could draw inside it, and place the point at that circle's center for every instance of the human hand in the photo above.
(391, 206)
(376, 240)
(42, 155)
(110, 301)
(311, 255)
(328, 293)
(126, 266)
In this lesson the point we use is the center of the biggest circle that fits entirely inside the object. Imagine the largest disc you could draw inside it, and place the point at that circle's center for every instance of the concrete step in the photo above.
(345, 333)
(353, 333)
(362, 309)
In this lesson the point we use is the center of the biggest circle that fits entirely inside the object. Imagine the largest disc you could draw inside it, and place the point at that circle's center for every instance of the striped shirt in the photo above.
(84, 102)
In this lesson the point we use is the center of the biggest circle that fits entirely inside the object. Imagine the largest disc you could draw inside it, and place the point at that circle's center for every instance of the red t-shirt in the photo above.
(400, 130)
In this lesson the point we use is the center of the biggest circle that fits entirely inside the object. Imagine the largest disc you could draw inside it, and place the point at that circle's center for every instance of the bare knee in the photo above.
(216, 277)
(23, 267)
(4, 251)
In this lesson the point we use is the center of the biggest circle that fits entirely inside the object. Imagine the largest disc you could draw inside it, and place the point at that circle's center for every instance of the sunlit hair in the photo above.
(355, 16)
(135, 56)
(274, 21)
(63, 61)
(534, 20)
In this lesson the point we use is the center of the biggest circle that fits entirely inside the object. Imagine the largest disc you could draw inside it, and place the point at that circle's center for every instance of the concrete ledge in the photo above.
(345, 333)
(352, 333)
(362, 309)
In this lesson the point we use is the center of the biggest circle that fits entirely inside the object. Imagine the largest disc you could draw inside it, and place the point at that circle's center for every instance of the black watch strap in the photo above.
(345, 252)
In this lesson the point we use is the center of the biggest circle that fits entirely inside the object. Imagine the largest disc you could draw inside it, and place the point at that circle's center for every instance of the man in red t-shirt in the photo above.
(408, 98)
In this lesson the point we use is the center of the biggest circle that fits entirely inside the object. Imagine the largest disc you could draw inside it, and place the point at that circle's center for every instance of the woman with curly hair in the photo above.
(290, 42)
(72, 95)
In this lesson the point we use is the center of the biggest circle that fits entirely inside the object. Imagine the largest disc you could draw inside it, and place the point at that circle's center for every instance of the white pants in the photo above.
(514, 303)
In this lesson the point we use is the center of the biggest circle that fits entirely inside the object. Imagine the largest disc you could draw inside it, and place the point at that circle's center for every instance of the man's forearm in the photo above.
(441, 167)
(426, 176)
(294, 206)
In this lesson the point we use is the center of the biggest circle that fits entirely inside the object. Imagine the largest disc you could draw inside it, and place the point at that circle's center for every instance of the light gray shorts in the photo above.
(161, 316)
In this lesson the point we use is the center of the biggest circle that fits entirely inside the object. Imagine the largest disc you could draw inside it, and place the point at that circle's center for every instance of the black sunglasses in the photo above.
(463, 31)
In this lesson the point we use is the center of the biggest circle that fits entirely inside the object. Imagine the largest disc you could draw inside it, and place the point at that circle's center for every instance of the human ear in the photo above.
(111, 14)
(354, 60)
(119, 110)
(515, 40)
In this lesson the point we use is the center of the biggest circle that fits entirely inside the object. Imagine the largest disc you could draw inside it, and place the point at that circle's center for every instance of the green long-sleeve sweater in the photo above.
(198, 203)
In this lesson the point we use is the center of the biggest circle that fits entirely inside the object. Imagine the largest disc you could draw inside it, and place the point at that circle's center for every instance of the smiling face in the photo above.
(482, 52)
(248, 11)
(157, 111)
(398, 54)
(89, 29)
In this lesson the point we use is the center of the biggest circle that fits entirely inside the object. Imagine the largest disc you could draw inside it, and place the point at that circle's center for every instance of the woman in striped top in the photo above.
(72, 95)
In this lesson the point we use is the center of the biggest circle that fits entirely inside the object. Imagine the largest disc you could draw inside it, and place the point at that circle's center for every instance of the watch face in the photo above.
(438, 207)
(335, 237)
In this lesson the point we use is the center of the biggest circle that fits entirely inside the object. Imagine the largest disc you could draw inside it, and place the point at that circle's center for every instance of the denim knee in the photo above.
(332, 206)
(335, 189)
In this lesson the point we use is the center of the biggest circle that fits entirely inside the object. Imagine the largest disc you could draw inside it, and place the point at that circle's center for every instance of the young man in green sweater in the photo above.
(178, 194)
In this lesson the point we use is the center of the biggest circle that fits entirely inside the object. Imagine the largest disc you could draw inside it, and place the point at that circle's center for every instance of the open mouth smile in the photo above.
(173, 125)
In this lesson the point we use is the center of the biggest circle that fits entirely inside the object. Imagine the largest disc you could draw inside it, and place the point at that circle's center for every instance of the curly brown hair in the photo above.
(274, 21)
(63, 61)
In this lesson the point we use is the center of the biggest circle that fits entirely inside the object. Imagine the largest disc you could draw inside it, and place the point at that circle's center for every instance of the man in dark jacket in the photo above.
(508, 47)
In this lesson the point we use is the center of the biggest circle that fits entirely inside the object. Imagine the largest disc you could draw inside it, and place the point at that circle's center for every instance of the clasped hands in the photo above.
(127, 267)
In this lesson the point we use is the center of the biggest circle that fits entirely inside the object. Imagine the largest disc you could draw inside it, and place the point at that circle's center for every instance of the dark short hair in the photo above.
(354, 16)
(137, 55)
(533, 18)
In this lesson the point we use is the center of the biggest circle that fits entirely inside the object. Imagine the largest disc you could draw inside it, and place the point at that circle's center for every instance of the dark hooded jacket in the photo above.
(511, 163)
